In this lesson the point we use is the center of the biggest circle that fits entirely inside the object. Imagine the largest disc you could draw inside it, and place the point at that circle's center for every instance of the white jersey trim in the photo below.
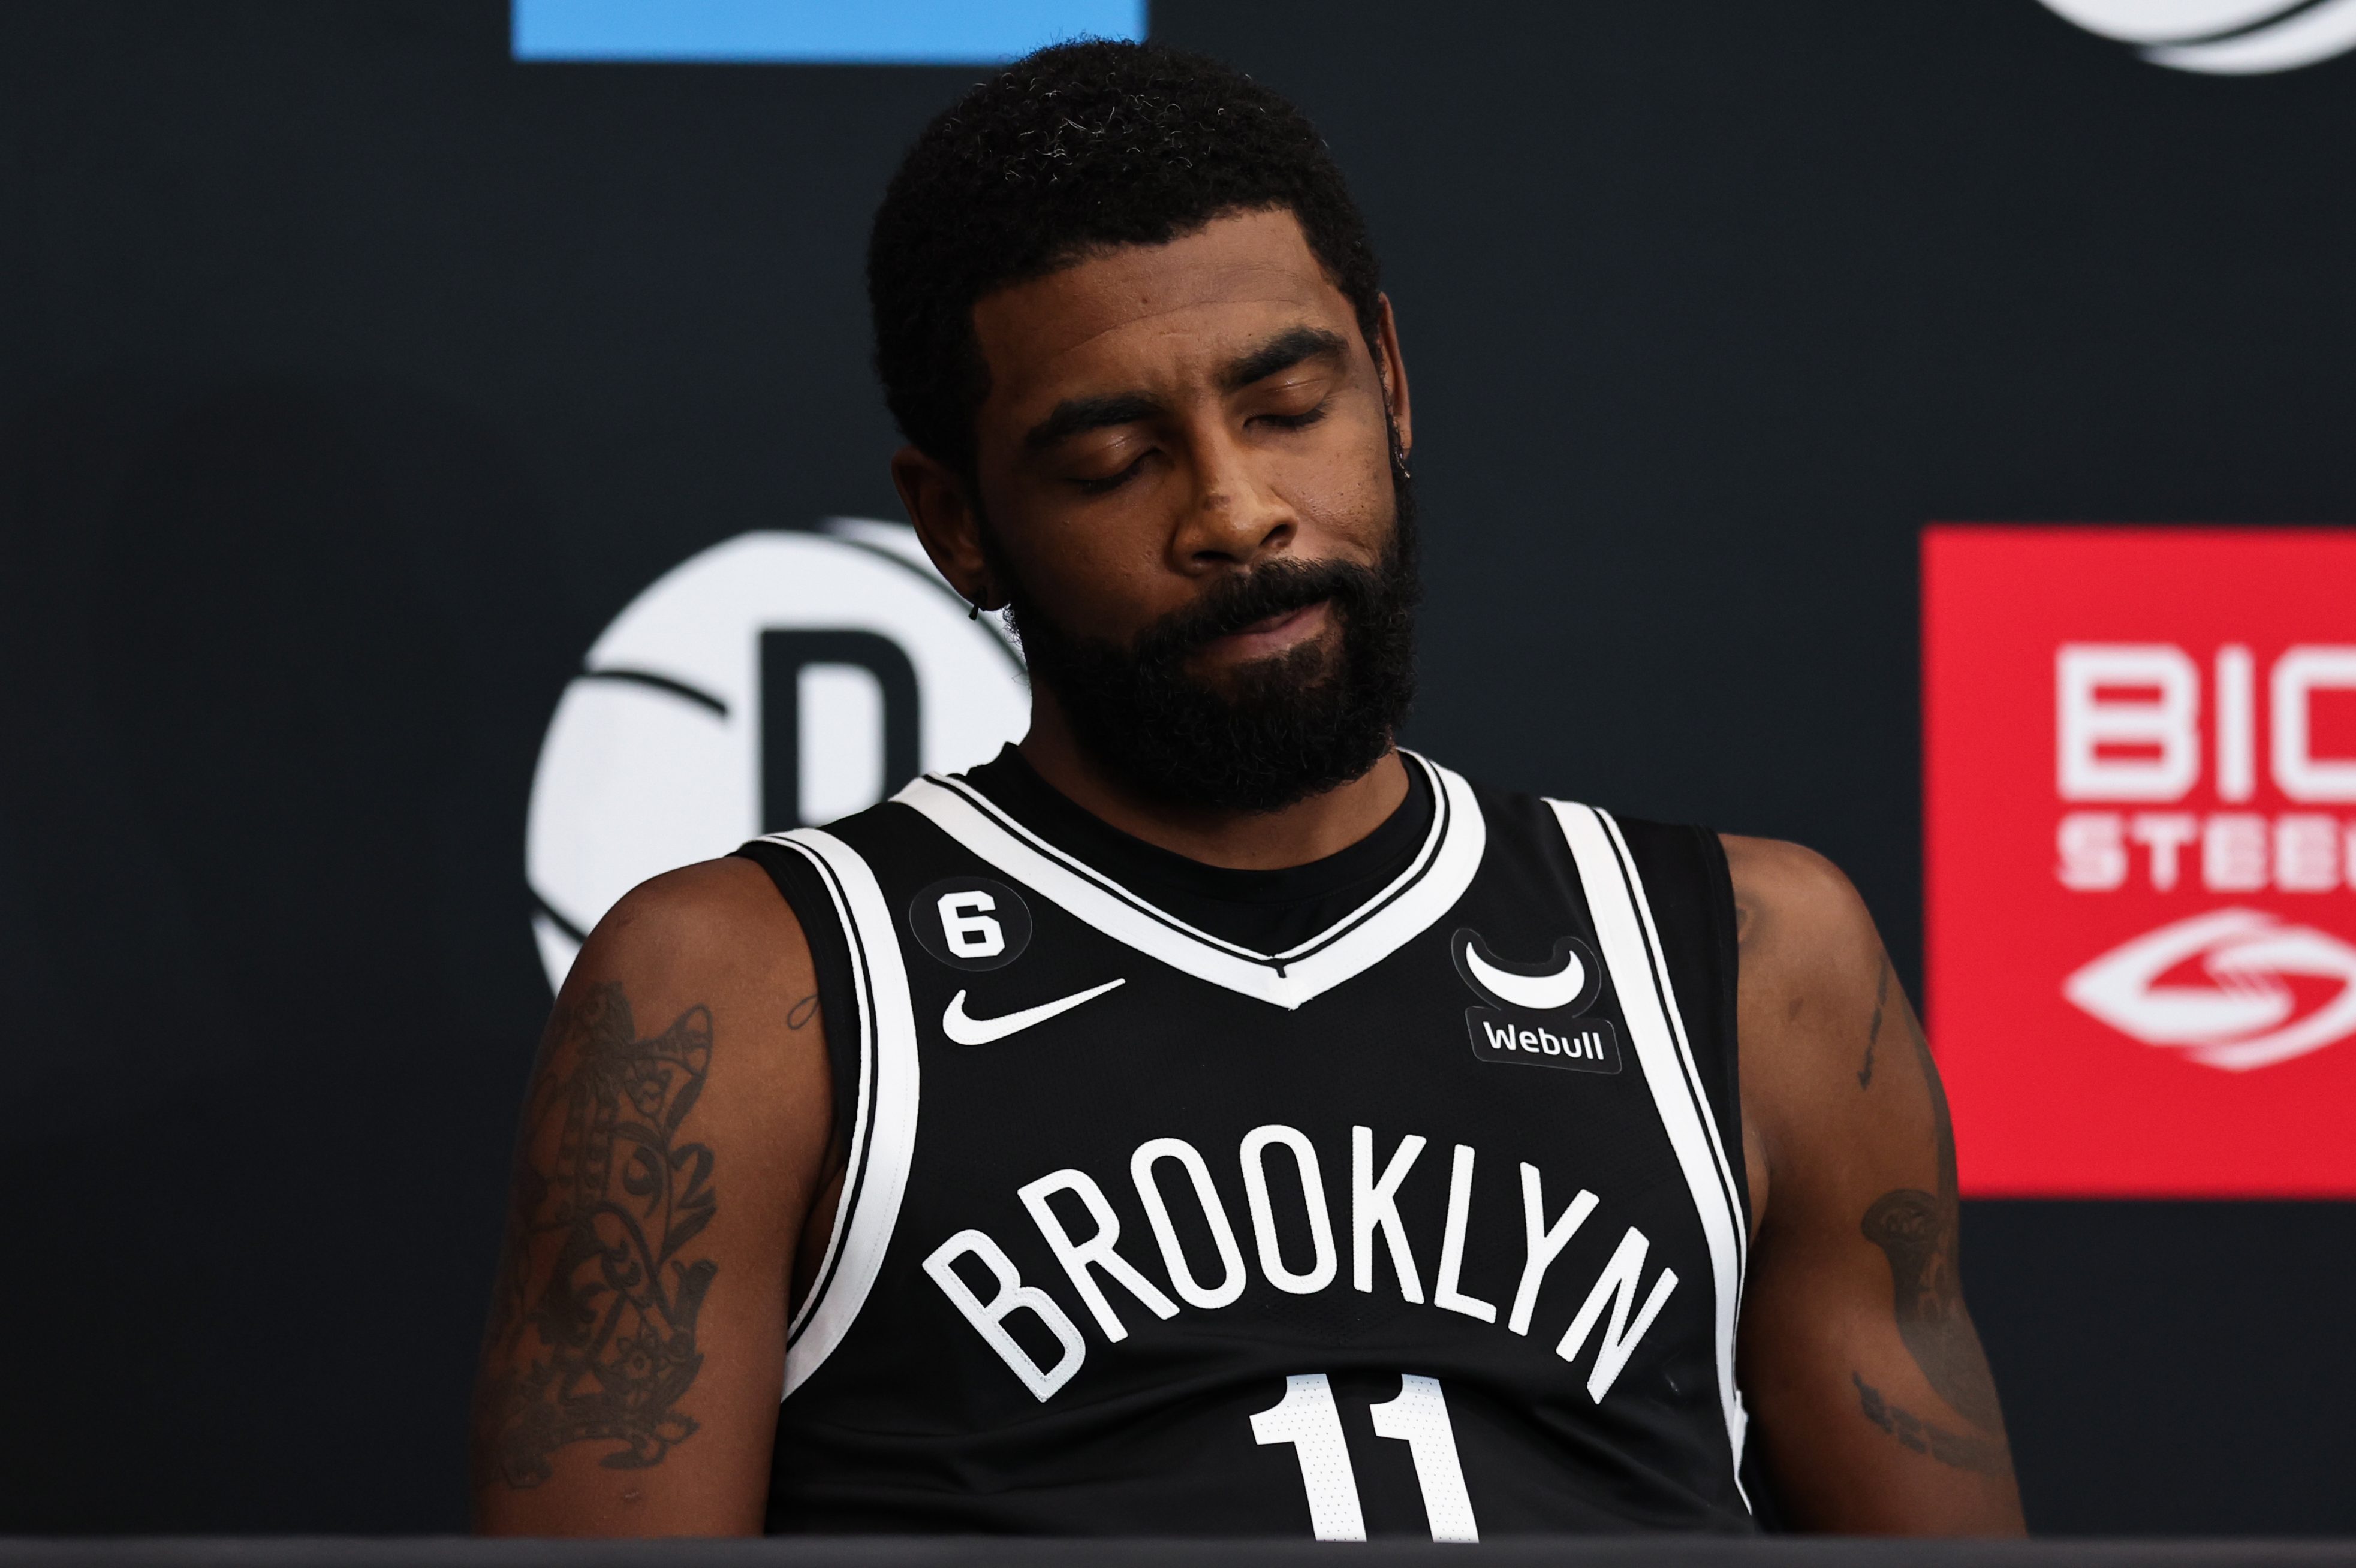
(884, 1129)
(1624, 930)
(1444, 868)
(1656, 954)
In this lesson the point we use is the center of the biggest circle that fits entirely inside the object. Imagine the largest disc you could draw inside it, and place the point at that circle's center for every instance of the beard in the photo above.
(1266, 734)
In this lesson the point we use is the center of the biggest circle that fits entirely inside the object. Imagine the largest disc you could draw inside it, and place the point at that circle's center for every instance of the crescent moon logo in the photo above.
(1568, 979)
(2221, 37)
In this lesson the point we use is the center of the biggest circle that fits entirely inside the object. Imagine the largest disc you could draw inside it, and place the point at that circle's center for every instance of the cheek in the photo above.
(1344, 496)
(1097, 578)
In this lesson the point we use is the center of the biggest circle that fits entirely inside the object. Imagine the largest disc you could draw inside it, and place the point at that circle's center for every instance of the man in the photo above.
(1206, 1118)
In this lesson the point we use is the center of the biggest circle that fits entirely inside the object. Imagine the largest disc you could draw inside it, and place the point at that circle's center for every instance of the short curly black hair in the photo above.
(1079, 147)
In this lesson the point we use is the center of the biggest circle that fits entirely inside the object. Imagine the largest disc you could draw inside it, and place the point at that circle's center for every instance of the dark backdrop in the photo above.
(353, 376)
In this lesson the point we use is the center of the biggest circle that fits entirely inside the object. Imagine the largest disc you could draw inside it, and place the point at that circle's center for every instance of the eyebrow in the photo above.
(1281, 352)
(1077, 416)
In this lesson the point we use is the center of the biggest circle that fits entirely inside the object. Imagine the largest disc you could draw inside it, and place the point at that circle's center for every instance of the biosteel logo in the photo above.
(2130, 729)
(2140, 798)
(2243, 1012)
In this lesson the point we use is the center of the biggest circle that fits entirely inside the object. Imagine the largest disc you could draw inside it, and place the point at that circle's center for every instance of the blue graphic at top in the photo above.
(833, 32)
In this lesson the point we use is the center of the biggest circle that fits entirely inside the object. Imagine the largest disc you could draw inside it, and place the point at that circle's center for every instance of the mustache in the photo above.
(1245, 600)
(1280, 729)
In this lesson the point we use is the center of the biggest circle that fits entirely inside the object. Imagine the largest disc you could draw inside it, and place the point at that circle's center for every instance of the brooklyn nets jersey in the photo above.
(1400, 1194)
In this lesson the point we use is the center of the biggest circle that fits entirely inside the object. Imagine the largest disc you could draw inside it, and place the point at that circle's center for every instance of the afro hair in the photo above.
(1070, 151)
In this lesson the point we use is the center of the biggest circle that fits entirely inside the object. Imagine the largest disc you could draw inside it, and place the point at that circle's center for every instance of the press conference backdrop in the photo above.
(438, 488)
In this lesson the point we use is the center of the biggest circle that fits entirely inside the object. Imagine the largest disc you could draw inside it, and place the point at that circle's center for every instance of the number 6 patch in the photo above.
(970, 923)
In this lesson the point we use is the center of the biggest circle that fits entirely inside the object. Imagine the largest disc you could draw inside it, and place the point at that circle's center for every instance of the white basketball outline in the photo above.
(660, 711)
(2220, 38)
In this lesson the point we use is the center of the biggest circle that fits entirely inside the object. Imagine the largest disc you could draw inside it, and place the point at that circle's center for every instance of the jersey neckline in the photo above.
(1433, 879)
(1263, 911)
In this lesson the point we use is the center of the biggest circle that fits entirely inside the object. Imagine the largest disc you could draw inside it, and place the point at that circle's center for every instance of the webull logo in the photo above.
(1586, 1045)
(1535, 1022)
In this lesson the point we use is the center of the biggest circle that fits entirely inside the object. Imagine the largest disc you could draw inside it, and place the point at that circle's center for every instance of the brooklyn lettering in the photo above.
(1117, 1275)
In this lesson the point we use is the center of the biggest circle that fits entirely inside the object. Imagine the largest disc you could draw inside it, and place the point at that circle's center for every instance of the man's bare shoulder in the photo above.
(1792, 892)
(715, 939)
(711, 917)
(1799, 920)
(1814, 985)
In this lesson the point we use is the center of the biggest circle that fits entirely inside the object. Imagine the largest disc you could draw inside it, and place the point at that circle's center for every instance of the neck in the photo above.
(1307, 831)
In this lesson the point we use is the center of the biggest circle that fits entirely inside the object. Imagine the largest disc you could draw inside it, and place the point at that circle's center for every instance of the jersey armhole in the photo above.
(798, 883)
(1691, 891)
(1725, 1088)
(1725, 1083)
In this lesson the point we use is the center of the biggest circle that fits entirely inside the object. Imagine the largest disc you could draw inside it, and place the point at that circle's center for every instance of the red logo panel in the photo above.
(2140, 808)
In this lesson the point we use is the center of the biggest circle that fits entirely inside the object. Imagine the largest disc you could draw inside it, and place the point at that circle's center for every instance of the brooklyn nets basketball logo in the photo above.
(2222, 37)
(778, 681)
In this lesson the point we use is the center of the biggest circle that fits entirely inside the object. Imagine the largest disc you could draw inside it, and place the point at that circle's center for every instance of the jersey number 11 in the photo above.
(1308, 1418)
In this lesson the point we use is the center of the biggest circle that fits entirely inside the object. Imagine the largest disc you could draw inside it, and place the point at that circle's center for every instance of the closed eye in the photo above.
(1111, 482)
(1292, 422)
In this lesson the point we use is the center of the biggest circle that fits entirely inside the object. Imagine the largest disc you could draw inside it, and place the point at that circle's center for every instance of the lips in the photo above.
(1274, 626)
(1257, 603)
(1245, 620)
(1273, 622)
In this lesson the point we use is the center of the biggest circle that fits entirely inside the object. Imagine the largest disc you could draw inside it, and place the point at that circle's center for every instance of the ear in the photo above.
(943, 512)
(1392, 367)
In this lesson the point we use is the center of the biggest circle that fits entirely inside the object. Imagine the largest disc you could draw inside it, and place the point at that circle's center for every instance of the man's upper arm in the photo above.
(1871, 1393)
(672, 1142)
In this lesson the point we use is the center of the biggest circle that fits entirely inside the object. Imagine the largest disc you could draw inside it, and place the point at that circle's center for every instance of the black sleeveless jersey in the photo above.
(1423, 1217)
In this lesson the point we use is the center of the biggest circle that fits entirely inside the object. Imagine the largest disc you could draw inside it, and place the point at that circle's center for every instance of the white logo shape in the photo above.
(968, 1031)
(2222, 37)
(775, 679)
(2244, 1018)
(1539, 993)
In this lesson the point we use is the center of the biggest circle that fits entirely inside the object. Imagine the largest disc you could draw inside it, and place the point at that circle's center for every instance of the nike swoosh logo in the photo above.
(965, 1030)
(1539, 993)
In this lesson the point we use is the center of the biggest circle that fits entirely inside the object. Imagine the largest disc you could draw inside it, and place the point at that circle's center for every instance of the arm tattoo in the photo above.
(1873, 1034)
(1948, 1447)
(593, 1334)
(1917, 1231)
(803, 1011)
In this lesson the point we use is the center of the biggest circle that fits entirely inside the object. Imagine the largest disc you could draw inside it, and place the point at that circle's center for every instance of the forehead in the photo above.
(1155, 315)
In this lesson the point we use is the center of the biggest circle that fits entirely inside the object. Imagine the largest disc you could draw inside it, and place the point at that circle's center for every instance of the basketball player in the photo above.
(1206, 1118)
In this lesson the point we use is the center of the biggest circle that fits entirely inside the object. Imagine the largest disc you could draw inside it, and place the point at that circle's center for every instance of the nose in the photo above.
(1233, 517)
